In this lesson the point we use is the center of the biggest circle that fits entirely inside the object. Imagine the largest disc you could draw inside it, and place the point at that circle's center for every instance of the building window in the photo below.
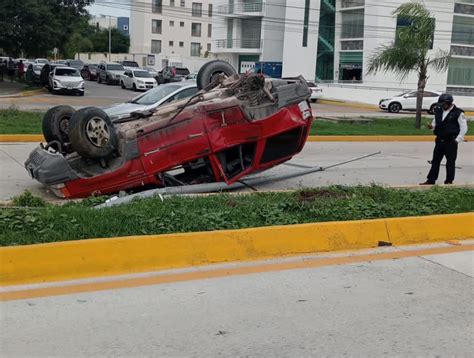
(156, 26)
(352, 24)
(196, 29)
(171, 2)
(464, 9)
(155, 46)
(461, 72)
(183, 3)
(463, 30)
(208, 47)
(171, 23)
(209, 30)
(462, 51)
(195, 49)
(157, 6)
(352, 45)
(181, 24)
(352, 3)
(181, 44)
(306, 23)
(209, 13)
(350, 66)
(196, 9)
(171, 43)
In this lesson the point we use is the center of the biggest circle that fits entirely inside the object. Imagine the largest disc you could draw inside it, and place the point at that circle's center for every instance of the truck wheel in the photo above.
(92, 133)
(56, 124)
(210, 70)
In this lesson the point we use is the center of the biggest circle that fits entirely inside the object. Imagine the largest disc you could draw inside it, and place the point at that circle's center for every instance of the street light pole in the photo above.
(110, 36)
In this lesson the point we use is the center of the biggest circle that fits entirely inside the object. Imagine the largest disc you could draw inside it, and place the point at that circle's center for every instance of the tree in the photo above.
(409, 52)
(77, 44)
(100, 41)
(35, 27)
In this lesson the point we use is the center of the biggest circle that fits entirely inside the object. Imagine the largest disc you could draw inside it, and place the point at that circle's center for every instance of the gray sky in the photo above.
(101, 7)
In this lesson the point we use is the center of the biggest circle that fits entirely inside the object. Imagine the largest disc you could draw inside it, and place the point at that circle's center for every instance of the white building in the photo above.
(248, 31)
(344, 34)
(171, 29)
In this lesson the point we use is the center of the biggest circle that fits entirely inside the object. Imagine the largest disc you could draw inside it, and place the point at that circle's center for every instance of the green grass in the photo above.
(13, 121)
(42, 222)
(379, 126)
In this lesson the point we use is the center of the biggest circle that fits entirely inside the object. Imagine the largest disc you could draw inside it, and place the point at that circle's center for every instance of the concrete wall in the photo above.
(141, 25)
(299, 60)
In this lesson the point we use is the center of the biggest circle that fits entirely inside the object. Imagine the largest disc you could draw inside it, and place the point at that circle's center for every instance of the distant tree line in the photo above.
(34, 27)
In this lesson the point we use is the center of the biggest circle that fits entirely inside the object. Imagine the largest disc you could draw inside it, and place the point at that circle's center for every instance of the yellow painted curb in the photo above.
(25, 138)
(348, 104)
(101, 257)
(24, 94)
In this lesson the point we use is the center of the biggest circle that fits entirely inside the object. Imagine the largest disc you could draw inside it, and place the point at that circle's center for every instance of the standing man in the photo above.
(21, 70)
(449, 125)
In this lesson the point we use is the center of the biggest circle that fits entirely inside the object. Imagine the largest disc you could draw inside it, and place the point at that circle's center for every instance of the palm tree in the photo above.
(409, 52)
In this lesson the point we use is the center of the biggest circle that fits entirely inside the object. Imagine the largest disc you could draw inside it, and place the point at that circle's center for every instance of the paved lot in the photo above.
(398, 164)
(418, 306)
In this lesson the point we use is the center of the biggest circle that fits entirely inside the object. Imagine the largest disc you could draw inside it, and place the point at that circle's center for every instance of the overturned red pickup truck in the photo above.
(234, 126)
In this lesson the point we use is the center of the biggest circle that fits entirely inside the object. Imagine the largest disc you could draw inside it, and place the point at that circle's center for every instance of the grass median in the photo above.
(73, 221)
(13, 121)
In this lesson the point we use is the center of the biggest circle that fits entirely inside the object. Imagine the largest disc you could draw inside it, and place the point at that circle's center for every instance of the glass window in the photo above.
(352, 3)
(114, 67)
(464, 9)
(156, 26)
(171, 2)
(155, 46)
(181, 44)
(155, 95)
(196, 9)
(195, 49)
(181, 24)
(196, 29)
(461, 72)
(141, 74)
(69, 72)
(209, 13)
(157, 6)
(462, 51)
(171, 43)
(183, 3)
(352, 45)
(209, 30)
(208, 47)
(186, 93)
(306, 23)
(352, 24)
(463, 30)
(171, 23)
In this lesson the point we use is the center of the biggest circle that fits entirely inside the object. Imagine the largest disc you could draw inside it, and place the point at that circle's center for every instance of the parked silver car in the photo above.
(153, 98)
(110, 72)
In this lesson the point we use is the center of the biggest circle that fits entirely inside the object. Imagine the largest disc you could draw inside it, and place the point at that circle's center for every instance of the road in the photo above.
(398, 164)
(400, 307)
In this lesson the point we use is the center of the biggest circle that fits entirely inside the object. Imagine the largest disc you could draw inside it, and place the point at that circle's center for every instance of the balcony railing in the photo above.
(241, 8)
(239, 44)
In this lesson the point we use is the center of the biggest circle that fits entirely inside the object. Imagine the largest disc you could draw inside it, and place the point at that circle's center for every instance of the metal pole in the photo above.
(110, 36)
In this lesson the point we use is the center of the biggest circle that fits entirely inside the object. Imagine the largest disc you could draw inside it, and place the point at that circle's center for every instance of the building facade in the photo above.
(338, 37)
(103, 22)
(175, 28)
(248, 31)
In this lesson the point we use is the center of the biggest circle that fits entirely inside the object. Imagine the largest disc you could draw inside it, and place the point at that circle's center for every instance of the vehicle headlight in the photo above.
(57, 83)
(81, 84)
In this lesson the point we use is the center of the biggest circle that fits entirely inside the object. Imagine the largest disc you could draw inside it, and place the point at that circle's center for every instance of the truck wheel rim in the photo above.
(97, 131)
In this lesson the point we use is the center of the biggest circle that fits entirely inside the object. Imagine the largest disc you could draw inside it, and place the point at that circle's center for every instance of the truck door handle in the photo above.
(195, 135)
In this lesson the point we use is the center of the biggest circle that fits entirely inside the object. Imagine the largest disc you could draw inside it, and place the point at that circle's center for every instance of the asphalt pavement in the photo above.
(398, 164)
(418, 306)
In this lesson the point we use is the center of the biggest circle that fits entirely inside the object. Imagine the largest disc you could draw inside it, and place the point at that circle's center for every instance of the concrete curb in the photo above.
(24, 94)
(26, 138)
(113, 256)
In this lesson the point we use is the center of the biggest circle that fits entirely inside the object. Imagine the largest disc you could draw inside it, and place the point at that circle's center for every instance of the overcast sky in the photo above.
(102, 8)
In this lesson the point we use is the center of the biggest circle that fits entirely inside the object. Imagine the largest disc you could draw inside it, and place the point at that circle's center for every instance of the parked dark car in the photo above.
(129, 64)
(33, 73)
(44, 75)
(89, 72)
(75, 64)
(171, 74)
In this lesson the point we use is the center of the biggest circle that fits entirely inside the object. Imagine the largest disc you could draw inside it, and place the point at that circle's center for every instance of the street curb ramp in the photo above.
(124, 255)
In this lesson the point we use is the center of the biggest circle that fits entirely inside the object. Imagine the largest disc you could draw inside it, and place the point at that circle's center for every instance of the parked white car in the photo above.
(66, 80)
(41, 61)
(137, 80)
(407, 101)
(316, 92)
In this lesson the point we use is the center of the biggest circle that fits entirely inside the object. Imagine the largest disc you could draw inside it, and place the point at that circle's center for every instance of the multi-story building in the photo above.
(344, 34)
(171, 27)
(248, 31)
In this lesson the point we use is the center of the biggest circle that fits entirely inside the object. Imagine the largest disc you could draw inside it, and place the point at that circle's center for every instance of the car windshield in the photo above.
(67, 72)
(114, 67)
(155, 95)
(144, 74)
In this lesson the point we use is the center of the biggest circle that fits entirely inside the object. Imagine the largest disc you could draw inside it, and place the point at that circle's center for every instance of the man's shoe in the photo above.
(448, 182)
(427, 183)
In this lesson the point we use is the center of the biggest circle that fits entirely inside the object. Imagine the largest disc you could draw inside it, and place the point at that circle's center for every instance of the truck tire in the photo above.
(210, 70)
(92, 133)
(56, 124)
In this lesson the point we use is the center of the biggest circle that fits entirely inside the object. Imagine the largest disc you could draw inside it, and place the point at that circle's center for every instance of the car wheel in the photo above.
(122, 85)
(208, 72)
(99, 80)
(394, 107)
(56, 124)
(134, 87)
(92, 133)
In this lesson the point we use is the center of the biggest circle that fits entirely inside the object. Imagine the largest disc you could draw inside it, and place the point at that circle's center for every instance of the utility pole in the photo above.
(110, 36)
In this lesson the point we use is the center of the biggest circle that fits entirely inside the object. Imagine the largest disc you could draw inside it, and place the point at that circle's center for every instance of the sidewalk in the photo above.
(9, 88)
